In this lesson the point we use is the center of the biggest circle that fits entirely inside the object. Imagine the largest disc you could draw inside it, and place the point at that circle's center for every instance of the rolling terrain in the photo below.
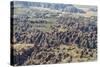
(50, 33)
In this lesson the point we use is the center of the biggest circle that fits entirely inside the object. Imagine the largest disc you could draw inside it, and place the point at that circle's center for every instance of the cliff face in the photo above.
(66, 31)
(28, 55)
(48, 33)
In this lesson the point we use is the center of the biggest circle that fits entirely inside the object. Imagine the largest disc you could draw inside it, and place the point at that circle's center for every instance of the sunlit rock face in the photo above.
(49, 33)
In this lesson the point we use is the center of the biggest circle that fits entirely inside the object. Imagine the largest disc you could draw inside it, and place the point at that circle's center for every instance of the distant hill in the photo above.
(54, 6)
(93, 9)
